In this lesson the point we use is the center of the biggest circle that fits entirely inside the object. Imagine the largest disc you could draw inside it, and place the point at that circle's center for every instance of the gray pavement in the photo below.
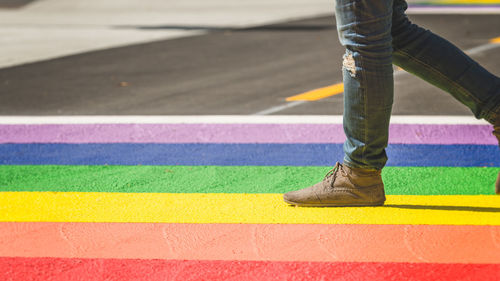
(225, 71)
(49, 29)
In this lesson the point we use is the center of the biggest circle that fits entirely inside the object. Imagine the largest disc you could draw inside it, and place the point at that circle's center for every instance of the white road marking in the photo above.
(280, 107)
(482, 48)
(229, 119)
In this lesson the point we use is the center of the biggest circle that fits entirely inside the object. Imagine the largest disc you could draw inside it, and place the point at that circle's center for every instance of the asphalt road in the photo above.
(226, 71)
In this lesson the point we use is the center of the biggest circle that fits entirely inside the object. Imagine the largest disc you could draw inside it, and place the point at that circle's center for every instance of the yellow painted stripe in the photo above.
(318, 94)
(495, 40)
(470, 2)
(240, 208)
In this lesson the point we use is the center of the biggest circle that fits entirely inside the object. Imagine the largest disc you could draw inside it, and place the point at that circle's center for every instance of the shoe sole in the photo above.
(371, 204)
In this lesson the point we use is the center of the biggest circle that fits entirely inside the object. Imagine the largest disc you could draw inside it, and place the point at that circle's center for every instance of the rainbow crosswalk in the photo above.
(199, 198)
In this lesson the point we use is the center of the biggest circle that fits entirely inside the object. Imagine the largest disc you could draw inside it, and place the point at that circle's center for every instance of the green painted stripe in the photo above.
(234, 179)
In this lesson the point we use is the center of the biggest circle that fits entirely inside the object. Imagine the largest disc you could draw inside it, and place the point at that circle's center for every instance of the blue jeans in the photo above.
(376, 34)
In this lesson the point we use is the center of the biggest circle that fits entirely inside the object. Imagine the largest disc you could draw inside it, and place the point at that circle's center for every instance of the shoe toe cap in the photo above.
(303, 196)
(290, 197)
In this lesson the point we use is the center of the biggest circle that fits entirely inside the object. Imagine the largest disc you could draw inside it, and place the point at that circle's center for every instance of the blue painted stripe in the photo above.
(239, 154)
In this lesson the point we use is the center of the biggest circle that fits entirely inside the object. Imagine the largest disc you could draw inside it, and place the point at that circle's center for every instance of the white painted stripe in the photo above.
(280, 107)
(230, 119)
(482, 48)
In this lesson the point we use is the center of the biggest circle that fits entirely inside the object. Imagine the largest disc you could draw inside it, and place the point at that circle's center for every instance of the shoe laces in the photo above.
(333, 173)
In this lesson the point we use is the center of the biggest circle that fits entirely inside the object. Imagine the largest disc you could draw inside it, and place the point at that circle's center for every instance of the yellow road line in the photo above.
(495, 40)
(318, 94)
(240, 208)
(470, 2)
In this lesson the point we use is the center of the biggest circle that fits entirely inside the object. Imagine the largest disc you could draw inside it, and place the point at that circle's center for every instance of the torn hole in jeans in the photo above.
(349, 64)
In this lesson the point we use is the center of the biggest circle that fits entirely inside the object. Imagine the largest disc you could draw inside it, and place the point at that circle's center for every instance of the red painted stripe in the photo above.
(58, 269)
(265, 242)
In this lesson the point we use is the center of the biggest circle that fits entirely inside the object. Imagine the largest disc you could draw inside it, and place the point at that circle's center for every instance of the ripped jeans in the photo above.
(376, 34)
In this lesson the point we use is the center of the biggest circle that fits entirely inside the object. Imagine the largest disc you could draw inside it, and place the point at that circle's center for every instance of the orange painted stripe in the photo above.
(318, 94)
(271, 242)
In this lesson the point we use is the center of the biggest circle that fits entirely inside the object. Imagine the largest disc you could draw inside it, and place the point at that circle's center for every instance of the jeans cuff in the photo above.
(352, 165)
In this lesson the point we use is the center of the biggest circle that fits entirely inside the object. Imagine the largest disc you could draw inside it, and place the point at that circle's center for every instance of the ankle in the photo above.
(362, 171)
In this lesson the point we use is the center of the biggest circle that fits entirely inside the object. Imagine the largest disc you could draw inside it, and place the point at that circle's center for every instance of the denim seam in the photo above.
(493, 114)
(435, 71)
(365, 118)
(362, 82)
(490, 110)
(493, 111)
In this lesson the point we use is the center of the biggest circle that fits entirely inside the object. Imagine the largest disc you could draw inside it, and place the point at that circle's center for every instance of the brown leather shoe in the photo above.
(342, 186)
(496, 133)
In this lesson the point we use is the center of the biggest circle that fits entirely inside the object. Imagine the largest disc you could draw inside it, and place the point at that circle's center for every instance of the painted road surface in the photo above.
(199, 198)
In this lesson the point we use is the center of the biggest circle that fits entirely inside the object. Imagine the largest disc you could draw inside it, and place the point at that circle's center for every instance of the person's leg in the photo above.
(439, 62)
(496, 133)
(442, 64)
(364, 28)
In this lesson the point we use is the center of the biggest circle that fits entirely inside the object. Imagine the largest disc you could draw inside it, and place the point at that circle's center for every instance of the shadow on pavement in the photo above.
(285, 27)
(12, 4)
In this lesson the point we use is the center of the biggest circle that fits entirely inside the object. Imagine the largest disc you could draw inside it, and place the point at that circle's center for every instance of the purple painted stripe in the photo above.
(236, 133)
